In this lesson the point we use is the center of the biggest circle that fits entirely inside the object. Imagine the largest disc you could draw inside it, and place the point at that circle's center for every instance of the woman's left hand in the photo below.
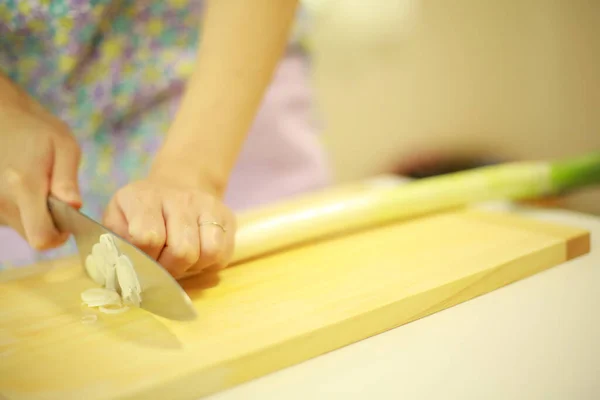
(184, 228)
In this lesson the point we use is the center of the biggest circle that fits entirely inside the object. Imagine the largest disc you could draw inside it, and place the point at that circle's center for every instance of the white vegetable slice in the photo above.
(111, 252)
(132, 298)
(110, 276)
(128, 281)
(96, 297)
(102, 266)
(113, 271)
(113, 310)
(98, 257)
(102, 258)
(108, 240)
(92, 270)
(98, 303)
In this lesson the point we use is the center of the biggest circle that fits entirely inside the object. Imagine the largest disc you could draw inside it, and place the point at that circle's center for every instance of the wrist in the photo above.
(186, 172)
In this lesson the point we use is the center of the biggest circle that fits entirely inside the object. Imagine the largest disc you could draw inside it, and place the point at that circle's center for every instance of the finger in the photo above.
(182, 249)
(9, 216)
(146, 224)
(221, 260)
(30, 196)
(114, 219)
(212, 239)
(64, 183)
(229, 245)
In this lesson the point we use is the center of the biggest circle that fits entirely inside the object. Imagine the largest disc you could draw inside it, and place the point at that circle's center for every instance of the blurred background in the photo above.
(470, 79)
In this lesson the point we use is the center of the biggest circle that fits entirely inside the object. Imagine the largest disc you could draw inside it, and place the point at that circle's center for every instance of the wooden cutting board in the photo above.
(263, 315)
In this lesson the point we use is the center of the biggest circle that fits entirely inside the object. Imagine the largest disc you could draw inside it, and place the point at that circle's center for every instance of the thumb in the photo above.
(64, 184)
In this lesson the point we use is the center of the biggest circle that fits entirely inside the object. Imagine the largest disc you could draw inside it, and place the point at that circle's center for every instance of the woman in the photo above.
(161, 120)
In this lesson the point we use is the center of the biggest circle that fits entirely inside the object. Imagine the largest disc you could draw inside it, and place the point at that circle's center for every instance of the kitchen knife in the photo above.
(161, 294)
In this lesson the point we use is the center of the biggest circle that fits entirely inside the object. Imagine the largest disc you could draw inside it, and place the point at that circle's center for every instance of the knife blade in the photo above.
(161, 293)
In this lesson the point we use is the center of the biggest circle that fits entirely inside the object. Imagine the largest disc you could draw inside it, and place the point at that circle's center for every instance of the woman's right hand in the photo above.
(38, 157)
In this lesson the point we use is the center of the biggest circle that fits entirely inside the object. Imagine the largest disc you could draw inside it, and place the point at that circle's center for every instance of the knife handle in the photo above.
(53, 203)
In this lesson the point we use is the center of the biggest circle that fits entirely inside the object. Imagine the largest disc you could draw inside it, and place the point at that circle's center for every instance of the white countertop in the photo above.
(538, 338)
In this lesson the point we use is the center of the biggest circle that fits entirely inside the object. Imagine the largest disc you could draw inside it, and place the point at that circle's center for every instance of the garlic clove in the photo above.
(110, 276)
(92, 270)
(96, 297)
(132, 298)
(111, 252)
(128, 281)
(115, 272)
(113, 310)
(98, 256)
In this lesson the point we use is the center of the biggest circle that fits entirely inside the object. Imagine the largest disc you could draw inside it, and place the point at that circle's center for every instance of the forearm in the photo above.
(241, 44)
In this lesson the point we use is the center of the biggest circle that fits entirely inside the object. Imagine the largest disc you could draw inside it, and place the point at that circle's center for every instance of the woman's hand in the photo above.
(38, 157)
(174, 221)
(185, 227)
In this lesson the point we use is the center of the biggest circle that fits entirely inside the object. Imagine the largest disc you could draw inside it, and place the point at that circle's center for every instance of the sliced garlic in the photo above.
(116, 274)
(128, 281)
(108, 240)
(110, 276)
(92, 270)
(111, 251)
(132, 298)
(113, 310)
(96, 297)
(105, 259)
(98, 256)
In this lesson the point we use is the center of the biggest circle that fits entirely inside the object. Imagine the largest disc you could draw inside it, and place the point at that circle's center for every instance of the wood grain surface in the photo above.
(265, 314)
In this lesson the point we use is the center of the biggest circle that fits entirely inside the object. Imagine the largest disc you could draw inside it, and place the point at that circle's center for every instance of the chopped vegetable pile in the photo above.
(115, 273)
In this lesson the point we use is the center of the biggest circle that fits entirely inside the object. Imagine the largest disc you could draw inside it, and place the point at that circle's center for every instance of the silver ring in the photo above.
(213, 223)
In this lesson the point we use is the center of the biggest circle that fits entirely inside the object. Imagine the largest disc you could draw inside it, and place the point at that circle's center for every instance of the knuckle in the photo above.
(147, 238)
(186, 199)
(15, 179)
(206, 201)
(145, 197)
(128, 197)
(192, 255)
(115, 226)
(210, 253)
(184, 254)
(212, 202)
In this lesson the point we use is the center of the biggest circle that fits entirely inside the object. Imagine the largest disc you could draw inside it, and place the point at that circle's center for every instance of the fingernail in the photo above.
(73, 196)
(70, 196)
